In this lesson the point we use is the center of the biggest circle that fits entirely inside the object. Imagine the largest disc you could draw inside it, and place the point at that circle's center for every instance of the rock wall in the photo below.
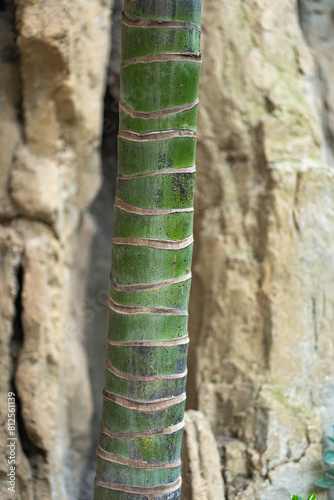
(262, 304)
(98, 270)
(317, 22)
(201, 470)
(53, 71)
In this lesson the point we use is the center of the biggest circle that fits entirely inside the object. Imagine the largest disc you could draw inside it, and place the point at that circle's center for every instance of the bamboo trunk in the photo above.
(145, 377)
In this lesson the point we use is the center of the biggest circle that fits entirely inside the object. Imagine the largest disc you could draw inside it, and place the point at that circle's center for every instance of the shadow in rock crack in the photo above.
(35, 455)
(101, 215)
(316, 18)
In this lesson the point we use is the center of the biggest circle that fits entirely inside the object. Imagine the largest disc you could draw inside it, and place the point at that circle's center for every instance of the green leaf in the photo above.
(330, 472)
(296, 497)
(330, 439)
(325, 482)
(312, 497)
(328, 457)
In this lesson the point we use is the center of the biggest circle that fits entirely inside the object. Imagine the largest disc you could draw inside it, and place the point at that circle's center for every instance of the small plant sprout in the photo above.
(310, 497)
(327, 481)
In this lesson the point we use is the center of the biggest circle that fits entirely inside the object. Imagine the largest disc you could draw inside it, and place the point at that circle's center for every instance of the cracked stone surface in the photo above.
(201, 469)
(262, 303)
(53, 65)
(317, 22)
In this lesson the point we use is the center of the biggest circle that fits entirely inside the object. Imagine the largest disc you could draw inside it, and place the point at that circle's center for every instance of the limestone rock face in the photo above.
(262, 298)
(11, 249)
(53, 64)
(317, 22)
(43, 198)
(201, 470)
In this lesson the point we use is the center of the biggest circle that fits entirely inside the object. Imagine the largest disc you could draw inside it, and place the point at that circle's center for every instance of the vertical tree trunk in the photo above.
(144, 395)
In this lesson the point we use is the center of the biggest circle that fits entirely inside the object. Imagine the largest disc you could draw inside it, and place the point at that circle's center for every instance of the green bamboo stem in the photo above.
(138, 456)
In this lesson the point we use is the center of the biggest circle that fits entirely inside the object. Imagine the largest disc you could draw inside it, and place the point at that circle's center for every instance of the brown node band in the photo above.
(142, 434)
(148, 286)
(151, 343)
(159, 489)
(160, 135)
(139, 378)
(155, 243)
(149, 406)
(148, 211)
(137, 464)
(123, 309)
(167, 171)
(193, 57)
(151, 115)
(133, 22)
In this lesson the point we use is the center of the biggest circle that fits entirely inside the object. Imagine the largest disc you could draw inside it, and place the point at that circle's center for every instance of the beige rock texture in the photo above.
(316, 19)
(53, 70)
(201, 471)
(261, 311)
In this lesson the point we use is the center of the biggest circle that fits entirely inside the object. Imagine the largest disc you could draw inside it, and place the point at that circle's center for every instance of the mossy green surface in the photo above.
(160, 85)
(139, 327)
(174, 296)
(132, 265)
(138, 42)
(105, 494)
(148, 361)
(188, 11)
(120, 419)
(142, 390)
(157, 448)
(181, 120)
(169, 191)
(152, 156)
(174, 226)
(143, 477)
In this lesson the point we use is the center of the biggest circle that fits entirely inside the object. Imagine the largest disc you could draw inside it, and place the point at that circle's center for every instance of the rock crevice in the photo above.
(53, 73)
(263, 247)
